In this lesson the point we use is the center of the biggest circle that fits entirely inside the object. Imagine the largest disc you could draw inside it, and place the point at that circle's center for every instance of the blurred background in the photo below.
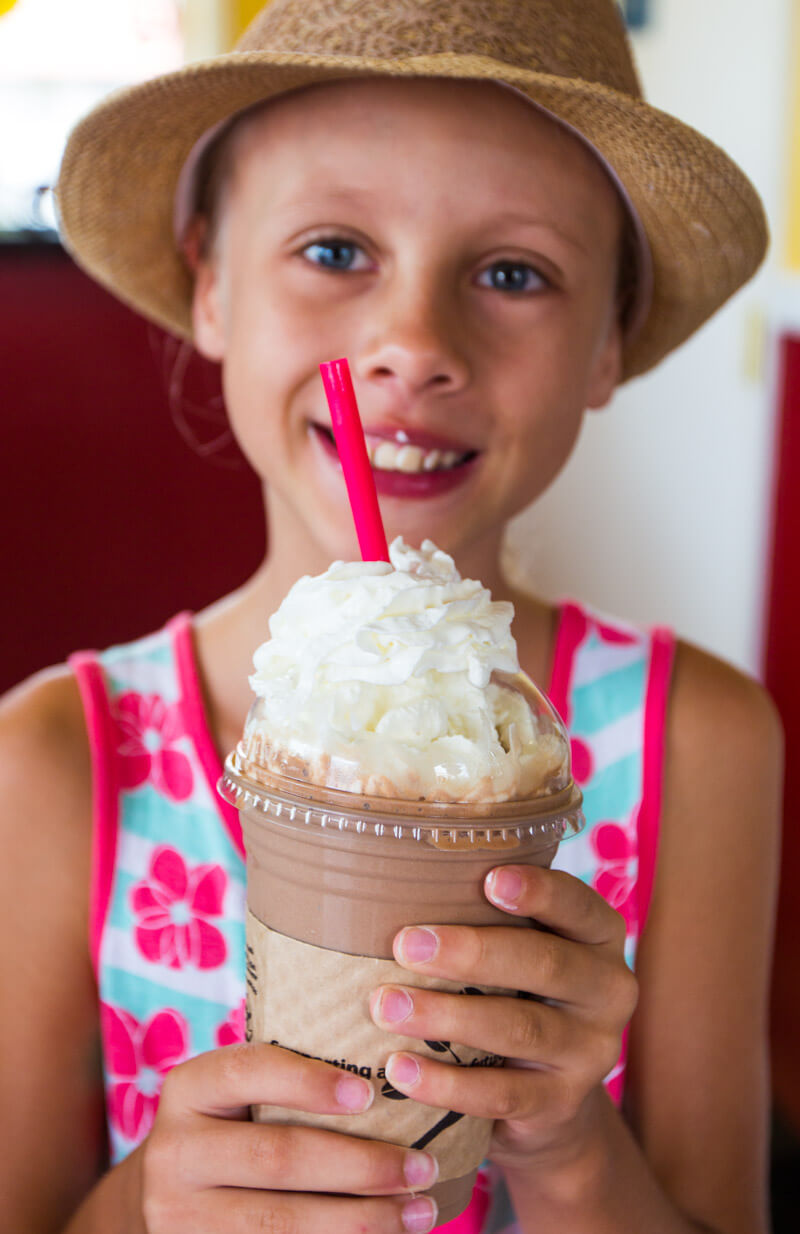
(680, 506)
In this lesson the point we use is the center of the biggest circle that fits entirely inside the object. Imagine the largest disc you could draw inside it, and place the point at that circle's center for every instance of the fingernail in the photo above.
(417, 945)
(419, 1214)
(402, 1070)
(420, 1169)
(505, 887)
(354, 1093)
(395, 1005)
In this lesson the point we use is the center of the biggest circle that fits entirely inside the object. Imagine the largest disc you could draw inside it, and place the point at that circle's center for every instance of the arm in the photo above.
(49, 1052)
(690, 1155)
(203, 1164)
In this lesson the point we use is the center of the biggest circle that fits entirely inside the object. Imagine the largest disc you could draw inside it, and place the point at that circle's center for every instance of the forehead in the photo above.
(392, 134)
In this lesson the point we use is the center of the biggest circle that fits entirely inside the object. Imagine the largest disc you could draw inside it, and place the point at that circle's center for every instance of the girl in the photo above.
(472, 203)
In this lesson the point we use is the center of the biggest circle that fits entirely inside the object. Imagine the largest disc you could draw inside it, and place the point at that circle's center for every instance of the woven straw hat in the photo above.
(703, 220)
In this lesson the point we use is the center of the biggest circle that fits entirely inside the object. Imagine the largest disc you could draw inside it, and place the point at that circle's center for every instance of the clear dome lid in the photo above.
(512, 749)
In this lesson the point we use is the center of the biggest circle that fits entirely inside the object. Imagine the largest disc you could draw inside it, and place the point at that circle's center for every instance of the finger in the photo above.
(225, 1082)
(556, 900)
(245, 1211)
(273, 1156)
(512, 1027)
(529, 960)
(485, 1092)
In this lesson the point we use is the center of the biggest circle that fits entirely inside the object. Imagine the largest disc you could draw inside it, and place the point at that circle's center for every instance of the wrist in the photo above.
(570, 1164)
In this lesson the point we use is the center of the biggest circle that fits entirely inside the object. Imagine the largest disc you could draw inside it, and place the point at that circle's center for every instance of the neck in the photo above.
(229, 631)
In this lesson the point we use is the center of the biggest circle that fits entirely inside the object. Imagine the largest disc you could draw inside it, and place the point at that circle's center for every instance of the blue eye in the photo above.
(335, 255)
(512, 276)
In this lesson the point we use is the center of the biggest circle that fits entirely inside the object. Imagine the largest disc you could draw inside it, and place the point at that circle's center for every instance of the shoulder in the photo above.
(704, 958)
(42, 728)
(724, 734)
(716, 874)
(45, 788)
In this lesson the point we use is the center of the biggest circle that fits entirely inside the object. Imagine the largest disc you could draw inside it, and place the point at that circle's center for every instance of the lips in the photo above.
(409, 463)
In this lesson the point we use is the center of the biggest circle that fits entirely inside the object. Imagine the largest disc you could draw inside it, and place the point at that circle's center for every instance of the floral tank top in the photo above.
(167, 898)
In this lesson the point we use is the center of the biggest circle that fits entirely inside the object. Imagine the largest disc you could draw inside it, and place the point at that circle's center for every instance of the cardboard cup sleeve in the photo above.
(315, 1002)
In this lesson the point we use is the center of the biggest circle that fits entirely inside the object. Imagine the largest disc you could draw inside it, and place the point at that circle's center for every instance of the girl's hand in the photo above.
(203, 1168)
(559, 1045)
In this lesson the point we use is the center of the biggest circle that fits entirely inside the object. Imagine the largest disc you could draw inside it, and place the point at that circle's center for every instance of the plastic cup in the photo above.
(332, 876)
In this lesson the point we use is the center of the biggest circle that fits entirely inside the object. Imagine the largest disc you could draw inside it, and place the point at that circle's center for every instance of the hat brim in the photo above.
(704, 220)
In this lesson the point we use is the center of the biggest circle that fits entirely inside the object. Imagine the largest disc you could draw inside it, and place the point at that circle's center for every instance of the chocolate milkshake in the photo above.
(394, 755)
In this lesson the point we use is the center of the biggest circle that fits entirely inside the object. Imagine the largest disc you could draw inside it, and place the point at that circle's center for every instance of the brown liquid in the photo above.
(350, 891)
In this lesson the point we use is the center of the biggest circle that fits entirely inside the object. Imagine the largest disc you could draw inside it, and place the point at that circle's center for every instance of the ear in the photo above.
(207, 317)
(606, 369)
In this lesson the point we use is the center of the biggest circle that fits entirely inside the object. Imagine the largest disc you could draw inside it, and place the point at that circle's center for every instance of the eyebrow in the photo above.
(350, 194)
(525, 220)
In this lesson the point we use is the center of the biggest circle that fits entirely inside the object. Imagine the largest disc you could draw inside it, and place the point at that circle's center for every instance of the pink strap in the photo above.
(655, 722)
(105, 808)
(571, 630)
(194, 712)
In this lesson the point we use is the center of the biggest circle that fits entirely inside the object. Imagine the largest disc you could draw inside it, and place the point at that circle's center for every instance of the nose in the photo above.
(412, 346)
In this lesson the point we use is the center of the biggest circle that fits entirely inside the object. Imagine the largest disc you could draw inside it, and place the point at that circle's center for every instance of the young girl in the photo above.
(473, 204)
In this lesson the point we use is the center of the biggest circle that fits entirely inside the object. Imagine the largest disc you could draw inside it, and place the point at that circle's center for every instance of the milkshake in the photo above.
(394, 755)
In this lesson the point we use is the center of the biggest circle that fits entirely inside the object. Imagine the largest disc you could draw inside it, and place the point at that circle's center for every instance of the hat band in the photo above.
(185, 202)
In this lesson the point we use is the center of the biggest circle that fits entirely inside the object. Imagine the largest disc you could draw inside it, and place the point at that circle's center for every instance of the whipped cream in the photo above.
(381, 678)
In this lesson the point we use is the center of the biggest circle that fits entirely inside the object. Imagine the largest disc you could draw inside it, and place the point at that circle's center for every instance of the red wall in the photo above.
(783, 679)
(110, 521)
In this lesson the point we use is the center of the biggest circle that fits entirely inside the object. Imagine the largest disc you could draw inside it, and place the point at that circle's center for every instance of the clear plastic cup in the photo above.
(332, 875)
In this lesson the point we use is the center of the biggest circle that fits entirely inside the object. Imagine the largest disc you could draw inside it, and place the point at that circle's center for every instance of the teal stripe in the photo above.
(192, 827)
(600, 703)
(613, 792)
(143, 998)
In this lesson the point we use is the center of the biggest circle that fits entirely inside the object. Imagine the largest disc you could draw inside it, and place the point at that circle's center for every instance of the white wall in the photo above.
(662, 514)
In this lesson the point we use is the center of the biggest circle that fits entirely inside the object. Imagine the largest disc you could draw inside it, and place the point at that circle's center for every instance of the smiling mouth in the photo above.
(404, 457)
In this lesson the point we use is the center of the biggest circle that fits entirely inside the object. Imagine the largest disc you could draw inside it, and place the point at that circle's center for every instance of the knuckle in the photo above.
(612, 1045)
(276, 1218)
(525, 1035)
(170, 1089)
(159, 1213)
(551, 960)
(473, 949)
(234, 1064)
(566, 1100)
(271, 1151)
(623, 993)
(608, 1051)
(619, 927)
(631, 993)
(157, 1155)
(507, 1101)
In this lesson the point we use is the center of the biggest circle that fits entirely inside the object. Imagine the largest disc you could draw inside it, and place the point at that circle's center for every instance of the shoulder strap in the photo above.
(180, 630)
(105, 791)
(662, 654)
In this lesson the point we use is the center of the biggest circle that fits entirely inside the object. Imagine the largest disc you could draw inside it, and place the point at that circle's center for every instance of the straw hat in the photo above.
(704, 223)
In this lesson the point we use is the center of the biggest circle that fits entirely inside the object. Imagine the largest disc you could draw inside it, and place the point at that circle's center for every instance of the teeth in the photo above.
(388, 456)
(410, 458)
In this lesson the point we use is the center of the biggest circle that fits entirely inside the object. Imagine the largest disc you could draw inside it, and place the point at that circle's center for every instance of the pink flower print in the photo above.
(582, 761)
(138, 1056)
(231, 1030)
(148, 729)
(614, 879)
(173, 905)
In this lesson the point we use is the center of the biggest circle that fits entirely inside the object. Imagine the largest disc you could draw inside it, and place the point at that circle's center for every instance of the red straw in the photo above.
(349, 434)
